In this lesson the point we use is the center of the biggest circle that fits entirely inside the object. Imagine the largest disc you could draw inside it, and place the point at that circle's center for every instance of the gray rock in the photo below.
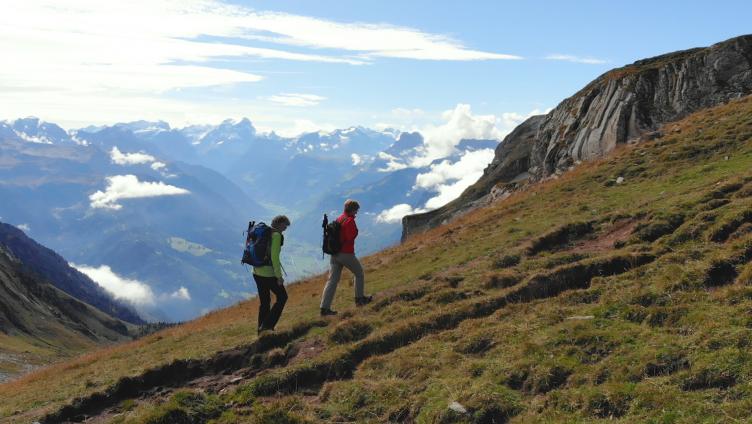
(457, 407)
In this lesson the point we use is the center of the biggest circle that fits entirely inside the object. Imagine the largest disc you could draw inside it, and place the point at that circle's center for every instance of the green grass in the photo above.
(517, 312)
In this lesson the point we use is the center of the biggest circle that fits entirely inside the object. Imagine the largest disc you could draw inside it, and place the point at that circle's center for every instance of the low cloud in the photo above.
(181, 294)
(296, 99)
(158, 166)
(132, 291)
(449, 179)
(302, 126)
(24, 227)
(460, 123)
(396, 213)
(121, 158)
(129, 187)
(393, 163)
(576, 59)
(356, 159)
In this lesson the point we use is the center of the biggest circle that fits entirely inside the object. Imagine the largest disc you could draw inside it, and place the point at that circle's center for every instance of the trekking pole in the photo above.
(323, 242)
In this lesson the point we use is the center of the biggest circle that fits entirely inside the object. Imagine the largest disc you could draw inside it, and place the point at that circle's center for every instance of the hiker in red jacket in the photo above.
(345, 258)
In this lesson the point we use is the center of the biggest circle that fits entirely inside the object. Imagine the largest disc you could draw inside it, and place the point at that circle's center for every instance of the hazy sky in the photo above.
(292, 66)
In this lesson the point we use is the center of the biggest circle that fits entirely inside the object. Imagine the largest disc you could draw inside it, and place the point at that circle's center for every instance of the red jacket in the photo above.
(347, 233)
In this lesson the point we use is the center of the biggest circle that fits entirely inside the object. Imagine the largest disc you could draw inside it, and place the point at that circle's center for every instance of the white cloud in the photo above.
(356, 159)
(181, 294)
(401, 112)
(301, 126)
(451, 179)
(129, 187)
(459, 124)
(396, 213)
(86, 58)
(393, 163)
(133, 291)
(368, 40)
(470, 162)
(121, 158)
(157, 166)
(297, 99)
(24, 227)
(576, 59)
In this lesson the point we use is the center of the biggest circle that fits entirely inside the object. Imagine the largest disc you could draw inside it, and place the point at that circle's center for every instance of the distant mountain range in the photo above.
(159, 211)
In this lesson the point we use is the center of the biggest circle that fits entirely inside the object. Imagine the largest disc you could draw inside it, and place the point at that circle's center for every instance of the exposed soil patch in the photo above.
(618, 233)
(307, 349)
(559, 237)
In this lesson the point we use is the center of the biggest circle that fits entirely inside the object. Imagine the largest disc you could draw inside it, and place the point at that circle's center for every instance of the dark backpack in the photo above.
(258, 245)
(332, 244)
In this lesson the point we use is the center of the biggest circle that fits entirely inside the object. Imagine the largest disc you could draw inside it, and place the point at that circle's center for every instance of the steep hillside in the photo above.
(40, 323)
(621, 106)
(619, 291)
(50, 266)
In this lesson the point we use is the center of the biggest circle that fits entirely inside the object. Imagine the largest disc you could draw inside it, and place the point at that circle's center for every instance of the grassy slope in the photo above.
(471, 313)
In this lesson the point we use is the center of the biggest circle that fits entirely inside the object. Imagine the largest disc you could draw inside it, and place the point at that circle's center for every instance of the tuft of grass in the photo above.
(657, 227)
(350, 331)
(559, 237)
(507, 260)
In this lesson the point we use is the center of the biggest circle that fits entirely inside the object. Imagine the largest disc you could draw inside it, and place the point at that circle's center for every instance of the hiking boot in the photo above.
(262, 330)
(360, 301)
(327, 312)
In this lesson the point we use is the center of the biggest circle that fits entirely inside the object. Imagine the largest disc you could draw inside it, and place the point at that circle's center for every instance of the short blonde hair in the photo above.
(280, 219)
(351, 205)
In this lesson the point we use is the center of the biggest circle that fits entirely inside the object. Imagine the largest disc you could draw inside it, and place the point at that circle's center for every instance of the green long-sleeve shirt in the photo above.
(275, 269)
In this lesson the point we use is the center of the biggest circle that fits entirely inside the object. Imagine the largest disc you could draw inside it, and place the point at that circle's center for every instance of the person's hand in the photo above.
(281, 281)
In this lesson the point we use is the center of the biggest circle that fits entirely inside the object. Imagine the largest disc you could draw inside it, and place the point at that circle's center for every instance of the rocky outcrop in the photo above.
(619, 106)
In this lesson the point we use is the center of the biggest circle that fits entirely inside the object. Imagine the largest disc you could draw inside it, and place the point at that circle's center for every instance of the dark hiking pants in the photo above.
(267, 318)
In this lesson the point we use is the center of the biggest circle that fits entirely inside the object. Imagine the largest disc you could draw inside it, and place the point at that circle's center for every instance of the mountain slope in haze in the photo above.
(52, 267)
(619, 291)
(40, 323)
(76, 199)
(620, 106)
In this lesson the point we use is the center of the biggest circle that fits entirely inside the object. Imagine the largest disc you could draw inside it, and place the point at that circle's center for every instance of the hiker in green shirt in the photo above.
(269, 279)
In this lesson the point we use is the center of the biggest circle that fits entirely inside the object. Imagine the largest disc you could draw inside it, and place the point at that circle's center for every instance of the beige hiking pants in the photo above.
(337, 262)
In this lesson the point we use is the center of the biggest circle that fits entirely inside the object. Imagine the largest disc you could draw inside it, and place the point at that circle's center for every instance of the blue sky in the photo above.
(284, 64)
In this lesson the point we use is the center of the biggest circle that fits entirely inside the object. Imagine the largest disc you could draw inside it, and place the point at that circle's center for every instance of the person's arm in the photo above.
(276, 248)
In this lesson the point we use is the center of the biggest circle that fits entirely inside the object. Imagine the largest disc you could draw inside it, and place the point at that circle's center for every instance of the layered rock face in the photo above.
(619, 106)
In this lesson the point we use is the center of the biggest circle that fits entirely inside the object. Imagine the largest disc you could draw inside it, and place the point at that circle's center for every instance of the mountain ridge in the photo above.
(619, 106)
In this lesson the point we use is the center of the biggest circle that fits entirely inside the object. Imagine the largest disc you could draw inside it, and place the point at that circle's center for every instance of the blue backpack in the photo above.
(257, 245)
